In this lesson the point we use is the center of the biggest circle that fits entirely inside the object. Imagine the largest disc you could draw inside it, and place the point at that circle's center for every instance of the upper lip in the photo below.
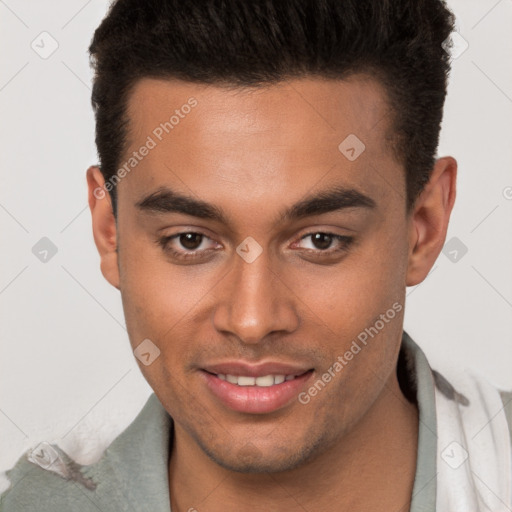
(239, 368)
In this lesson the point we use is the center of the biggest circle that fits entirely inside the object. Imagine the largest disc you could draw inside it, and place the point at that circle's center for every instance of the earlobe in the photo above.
(103, 225)
(429, 220)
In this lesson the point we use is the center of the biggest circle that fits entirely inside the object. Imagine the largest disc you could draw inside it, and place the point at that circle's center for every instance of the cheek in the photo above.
(358, 306)
(348, 297)
(165, 303)
(157, 294)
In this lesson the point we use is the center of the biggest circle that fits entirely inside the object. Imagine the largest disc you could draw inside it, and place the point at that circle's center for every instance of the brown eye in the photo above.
(325, 244)
(187, 245)
(322, 240)
(190, 241)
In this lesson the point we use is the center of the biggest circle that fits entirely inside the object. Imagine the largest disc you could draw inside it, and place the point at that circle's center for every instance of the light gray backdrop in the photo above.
(66, 368)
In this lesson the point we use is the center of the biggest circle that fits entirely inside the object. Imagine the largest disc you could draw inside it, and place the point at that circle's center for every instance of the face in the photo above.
(262, 237)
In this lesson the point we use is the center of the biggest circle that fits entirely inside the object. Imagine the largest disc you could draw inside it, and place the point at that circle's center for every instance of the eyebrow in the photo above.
(166, 200)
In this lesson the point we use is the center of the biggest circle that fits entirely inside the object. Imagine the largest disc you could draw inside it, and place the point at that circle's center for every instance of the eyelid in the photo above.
(165, 239)
(184, 229)
(341, 242)
(203, 232)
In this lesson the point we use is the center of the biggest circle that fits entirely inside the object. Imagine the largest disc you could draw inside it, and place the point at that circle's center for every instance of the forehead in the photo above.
(358, 103)
(287, 135)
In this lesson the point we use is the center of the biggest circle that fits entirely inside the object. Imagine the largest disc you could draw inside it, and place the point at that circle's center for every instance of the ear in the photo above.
(103, 225)
(429, 220)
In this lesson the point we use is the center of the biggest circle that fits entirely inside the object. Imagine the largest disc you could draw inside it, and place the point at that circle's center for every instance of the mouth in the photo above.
(255, 390)
(263, 381)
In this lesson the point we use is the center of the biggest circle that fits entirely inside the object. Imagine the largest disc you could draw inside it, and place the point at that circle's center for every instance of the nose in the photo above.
(254, 301)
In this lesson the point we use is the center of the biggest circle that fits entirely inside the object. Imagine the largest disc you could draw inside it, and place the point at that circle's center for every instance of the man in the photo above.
(268, 188)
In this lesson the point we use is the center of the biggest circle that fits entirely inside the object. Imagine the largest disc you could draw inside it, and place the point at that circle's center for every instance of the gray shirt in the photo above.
(132, 474)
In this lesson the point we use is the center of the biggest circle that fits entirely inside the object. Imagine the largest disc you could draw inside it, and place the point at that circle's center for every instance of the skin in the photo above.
(253, 153)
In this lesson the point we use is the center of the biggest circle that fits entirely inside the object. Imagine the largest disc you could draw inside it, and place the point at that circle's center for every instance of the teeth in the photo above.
(267, 380)
(232, 379)
(263, 381)
(246, 381)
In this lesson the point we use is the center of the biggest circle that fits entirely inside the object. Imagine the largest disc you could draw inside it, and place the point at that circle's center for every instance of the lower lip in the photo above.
(255, 399)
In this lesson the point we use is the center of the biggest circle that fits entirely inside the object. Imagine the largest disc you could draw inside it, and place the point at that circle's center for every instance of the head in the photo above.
(268, 188)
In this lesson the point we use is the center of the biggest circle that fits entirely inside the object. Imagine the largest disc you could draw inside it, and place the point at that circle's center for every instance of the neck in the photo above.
(371, 468)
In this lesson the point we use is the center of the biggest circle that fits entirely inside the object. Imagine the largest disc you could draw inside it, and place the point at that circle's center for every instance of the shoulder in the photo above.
(131, 472)
(47, 479)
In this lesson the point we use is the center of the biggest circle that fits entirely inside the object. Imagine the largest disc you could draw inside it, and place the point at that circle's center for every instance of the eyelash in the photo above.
(344, 241)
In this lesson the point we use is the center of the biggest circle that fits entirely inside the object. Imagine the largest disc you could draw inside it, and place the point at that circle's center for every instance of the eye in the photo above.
(322, 243)
(193, 245)
(186, 245)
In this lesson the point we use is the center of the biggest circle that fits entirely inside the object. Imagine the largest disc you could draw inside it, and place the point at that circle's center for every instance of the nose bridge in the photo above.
(254, 303)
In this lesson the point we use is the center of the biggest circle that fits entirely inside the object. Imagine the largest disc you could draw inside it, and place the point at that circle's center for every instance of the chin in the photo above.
(249, 458)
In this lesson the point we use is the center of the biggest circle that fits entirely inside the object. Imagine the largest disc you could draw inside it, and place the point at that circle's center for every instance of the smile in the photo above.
(262, 393)
(263, 381)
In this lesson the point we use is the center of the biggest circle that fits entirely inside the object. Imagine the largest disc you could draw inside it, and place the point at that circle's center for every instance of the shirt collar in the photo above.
(421, 380)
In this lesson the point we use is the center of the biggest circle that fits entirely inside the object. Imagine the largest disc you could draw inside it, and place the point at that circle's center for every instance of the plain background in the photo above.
(66, 368)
